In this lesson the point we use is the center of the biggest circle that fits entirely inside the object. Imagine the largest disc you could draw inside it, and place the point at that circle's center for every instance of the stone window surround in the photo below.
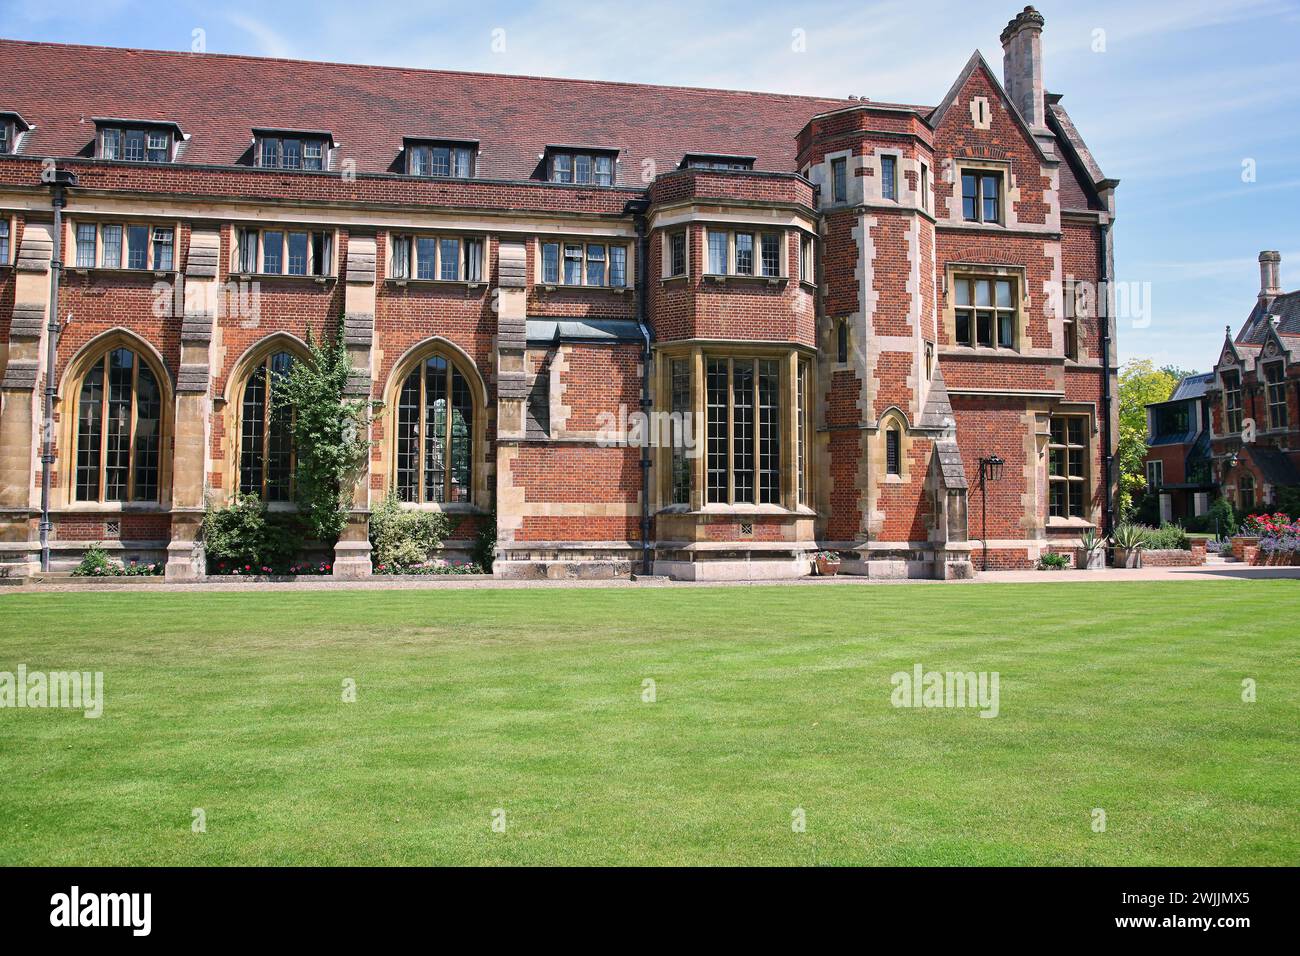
(385, 464)
(1019, 293)
(757, 231)
(284, 228)
(697, 352)
(64, 497)
(1010, 192)
(1087, 411)
(629, 259)
(73, 245)
(484, 263)
(231, 401)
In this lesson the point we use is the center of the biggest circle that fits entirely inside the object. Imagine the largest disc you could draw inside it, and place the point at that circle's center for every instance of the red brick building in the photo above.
(1255, 398)
(849, 305)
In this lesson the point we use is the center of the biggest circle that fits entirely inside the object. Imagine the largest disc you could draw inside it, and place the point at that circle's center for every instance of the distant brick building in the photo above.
(1178, 464)
(1256, 398)
(853, 303)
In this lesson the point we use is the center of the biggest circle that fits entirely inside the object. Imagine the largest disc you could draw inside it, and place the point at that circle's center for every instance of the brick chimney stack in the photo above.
(1270, 275)
(1022, 66)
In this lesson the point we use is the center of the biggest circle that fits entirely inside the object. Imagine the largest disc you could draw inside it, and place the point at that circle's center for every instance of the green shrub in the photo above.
(1168, 537)
(404, 537)
(1222, 517)
(485, 543)
(1052, 561)
(95, 563)
(245, 535)
(1130, 537)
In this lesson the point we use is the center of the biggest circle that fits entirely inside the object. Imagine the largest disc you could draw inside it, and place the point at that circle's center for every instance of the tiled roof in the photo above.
(218, 99)
(1277, 467)
(1286, 308)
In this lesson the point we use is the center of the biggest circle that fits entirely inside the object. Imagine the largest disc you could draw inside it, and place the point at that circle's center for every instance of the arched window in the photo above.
(119, 426)
(435, 415)
(893, 456)
(266, 461)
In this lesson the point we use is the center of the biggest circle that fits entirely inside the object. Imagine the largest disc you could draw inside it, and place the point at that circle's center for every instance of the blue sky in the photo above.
(1175, 97)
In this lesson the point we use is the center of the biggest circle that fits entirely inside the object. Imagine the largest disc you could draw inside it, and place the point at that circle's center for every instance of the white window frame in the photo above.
(259, 234)
(571, 158)
(586, 247)
(1155, 473)
(756, 252)
(467, 271)
(154, 231)
(459, 156)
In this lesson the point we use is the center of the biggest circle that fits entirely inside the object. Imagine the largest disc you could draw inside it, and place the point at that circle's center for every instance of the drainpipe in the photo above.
(59, 181)
(638, 209)
(1108, 460)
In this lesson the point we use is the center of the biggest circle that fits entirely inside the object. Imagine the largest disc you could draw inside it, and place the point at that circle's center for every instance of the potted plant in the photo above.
(826, 563)
(1129, 540)
(1091, 554)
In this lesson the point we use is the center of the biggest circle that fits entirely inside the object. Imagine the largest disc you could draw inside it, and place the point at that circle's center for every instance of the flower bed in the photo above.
(1268, 539)
(265, 572)
(423, 570)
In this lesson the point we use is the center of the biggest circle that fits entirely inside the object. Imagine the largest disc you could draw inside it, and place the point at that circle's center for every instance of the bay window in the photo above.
(743, 430)
(743, 252)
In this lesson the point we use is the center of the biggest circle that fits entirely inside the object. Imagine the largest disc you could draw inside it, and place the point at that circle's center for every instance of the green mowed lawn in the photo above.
(1120, 697)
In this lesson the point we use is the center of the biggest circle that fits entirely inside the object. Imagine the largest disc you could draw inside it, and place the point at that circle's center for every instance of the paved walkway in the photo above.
(1210, 572)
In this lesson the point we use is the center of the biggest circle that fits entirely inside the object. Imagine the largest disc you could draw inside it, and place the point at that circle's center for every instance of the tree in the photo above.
(329, 433)
(1140, 384)
(1178, 373)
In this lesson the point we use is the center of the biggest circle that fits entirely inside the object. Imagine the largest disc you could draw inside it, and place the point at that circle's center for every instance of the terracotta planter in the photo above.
(1089, 560)
(827, 567)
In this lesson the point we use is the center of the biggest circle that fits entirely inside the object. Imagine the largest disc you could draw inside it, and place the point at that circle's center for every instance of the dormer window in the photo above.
(581, 167)
(137, 142)
(440, 158)
(12, 126)
(716, 161)
(292, 149)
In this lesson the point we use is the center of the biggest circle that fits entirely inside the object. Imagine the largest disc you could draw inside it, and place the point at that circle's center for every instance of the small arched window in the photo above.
(266, 458)
(893, 451)
(119, 426)
(435, 435)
